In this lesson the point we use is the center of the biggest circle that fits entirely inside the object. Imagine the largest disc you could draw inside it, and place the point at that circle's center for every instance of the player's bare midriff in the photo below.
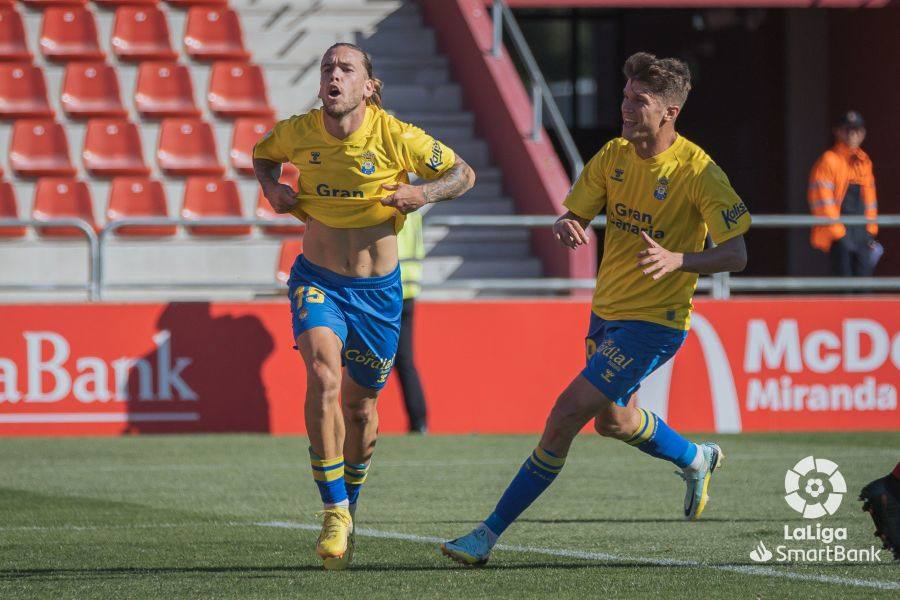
(353, 252)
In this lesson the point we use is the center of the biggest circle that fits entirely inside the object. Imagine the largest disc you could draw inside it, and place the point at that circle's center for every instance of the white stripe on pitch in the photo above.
(604, 557)
(754, 570)
(100, 417)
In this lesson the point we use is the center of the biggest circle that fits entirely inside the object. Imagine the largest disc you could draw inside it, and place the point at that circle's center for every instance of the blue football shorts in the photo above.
(364, 312)
(621, 354)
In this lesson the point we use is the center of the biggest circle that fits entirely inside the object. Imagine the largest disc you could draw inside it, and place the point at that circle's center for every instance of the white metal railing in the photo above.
(113, 226)
(720, 286)
(759, 221)
(541, 95)
(86, 229)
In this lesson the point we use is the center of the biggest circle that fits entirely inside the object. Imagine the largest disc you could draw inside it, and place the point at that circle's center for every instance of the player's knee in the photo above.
(611, 427)
(323, 379)
(615, 422)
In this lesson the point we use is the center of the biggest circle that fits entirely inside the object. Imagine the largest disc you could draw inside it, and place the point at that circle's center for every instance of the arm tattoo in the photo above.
(456, 181)
(267, 171)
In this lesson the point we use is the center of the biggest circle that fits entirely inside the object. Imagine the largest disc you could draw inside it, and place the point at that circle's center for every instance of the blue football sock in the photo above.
(354, 478)
(657, 439)
(534, 477)
(329, 476)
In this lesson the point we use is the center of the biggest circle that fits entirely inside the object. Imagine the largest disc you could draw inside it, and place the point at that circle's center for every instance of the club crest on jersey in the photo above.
(368, 166)
(618, 175)
(314, 158)
(662, 188)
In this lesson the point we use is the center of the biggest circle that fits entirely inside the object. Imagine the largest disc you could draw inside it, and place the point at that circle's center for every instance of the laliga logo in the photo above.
(810, 472)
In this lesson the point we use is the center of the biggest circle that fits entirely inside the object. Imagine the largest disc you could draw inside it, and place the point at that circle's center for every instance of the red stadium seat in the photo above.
(164, 89)
(264, 210)
(138, 197)
(212, 197)
(41, 4)
(187, 147)
(190, 3)
(23, 92)
(91, 90)
(117, 3)
(56, 197)
(13, 44)
(246, 133)
(237, 90)
(70, 33)
(141, 33)
(9, 210)
(290, 250)
(113, 147)
(39, 148)
(213, 33)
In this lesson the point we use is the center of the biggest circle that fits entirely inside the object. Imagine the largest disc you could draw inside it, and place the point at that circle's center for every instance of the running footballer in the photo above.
(661, 194)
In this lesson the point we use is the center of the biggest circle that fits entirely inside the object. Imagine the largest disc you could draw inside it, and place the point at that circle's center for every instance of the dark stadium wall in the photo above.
(768, 85)
(532, 172)
(839, 60)
(864, 74)
(487, 367)
(807, 126)
(735, 111)
(736, 108)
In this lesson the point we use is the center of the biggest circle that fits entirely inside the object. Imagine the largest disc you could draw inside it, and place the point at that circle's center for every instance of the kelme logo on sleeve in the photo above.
(437, 156)
(731, 215)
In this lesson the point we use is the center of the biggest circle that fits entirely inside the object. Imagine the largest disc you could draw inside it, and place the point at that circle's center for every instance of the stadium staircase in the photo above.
(125, 108)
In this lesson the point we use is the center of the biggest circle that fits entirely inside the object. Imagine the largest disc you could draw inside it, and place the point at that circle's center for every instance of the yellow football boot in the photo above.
(333, 541)
(339, 564)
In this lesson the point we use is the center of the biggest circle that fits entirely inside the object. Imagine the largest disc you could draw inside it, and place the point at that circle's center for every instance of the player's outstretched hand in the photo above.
(282, 197)
(656, 260)
(406, 198)
(569, 233)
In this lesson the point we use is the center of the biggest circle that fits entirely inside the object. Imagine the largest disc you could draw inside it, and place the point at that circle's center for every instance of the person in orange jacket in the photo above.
(842, 183)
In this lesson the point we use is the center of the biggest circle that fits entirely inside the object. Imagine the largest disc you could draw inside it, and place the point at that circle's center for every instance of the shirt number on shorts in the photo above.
(309, 295)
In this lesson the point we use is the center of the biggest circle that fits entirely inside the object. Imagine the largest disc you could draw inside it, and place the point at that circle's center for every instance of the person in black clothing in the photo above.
(411, 250)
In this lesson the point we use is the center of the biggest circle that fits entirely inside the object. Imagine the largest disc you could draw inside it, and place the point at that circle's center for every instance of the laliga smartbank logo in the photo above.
(813, 473)
(814, 487)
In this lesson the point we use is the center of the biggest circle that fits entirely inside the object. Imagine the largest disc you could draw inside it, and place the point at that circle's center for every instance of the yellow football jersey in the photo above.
(341, 181)
(676, 197)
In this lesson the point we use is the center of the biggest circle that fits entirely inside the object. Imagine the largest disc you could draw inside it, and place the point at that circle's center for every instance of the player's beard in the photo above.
(340, 110)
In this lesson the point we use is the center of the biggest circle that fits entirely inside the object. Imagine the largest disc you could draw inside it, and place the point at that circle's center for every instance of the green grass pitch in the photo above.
(231, 516)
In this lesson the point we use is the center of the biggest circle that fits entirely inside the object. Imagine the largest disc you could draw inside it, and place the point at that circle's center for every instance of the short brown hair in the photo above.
(367, 63)
(668, 78)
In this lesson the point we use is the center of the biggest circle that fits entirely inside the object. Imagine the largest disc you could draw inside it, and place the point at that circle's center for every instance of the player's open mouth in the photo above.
(628, 123)
(333, 92)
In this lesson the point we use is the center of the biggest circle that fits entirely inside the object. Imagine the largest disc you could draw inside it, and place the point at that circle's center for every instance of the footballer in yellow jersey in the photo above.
(345, 289)
(674, 198)
(342, 181)
(661, 194)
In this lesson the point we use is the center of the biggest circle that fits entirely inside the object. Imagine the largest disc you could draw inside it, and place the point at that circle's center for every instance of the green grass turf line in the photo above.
(173, 516)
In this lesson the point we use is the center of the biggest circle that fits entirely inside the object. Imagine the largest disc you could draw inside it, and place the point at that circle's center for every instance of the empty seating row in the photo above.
(39, 147)
(204, 197)
(139, 33)
(162, 89)
(40, 4)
